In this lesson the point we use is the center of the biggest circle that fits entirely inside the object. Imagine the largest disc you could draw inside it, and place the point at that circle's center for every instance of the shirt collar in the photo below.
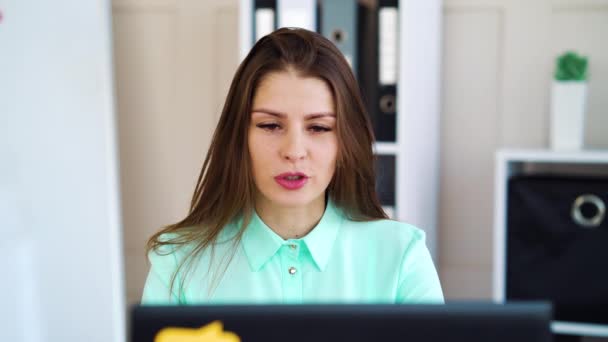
(260, 242)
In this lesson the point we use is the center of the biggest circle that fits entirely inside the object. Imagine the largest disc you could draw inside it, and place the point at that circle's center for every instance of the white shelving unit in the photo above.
(517, 162)
(417, 145)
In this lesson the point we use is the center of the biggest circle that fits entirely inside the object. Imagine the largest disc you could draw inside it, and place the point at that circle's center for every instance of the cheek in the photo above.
(253, 147)
(254, 143)
(328, 153)
(259, 149)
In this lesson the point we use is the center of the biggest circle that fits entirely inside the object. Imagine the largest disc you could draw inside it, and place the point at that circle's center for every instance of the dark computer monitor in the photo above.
(432, 323)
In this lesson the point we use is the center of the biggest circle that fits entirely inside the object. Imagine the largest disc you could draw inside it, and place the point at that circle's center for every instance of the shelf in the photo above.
(549, 156)
(386, 148)
(512, 162)
(583, 329)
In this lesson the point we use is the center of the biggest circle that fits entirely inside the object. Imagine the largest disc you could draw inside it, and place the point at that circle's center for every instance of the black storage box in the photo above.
(557, 245)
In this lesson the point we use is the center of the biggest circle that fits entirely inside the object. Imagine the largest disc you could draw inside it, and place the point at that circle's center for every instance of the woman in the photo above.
(285, 208)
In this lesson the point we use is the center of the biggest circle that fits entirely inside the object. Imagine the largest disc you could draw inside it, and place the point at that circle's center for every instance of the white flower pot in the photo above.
(568, 114)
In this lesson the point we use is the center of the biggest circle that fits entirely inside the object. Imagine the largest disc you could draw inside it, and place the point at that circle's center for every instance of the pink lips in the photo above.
(292, 180)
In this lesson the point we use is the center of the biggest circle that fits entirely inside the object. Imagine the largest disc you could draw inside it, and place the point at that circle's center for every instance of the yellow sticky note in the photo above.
(212, 332)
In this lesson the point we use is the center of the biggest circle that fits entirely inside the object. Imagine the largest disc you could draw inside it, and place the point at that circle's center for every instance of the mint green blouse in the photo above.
(339, 261)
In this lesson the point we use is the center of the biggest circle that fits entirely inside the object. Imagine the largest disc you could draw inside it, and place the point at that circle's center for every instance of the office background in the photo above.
(174, 61)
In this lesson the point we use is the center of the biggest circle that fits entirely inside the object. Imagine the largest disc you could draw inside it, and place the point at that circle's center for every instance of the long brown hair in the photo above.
(225, 188)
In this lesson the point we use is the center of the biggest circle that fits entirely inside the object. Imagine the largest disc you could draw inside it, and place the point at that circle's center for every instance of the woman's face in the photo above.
(292, 139)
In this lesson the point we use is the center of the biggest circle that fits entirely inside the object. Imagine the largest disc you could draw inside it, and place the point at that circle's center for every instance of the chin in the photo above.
(292, 199)
(292, 202)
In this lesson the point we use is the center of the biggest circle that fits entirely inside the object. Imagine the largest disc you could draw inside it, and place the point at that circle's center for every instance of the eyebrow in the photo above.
(283, 115)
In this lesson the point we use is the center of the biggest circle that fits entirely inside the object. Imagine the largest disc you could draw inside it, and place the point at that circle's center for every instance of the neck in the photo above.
(291, 222)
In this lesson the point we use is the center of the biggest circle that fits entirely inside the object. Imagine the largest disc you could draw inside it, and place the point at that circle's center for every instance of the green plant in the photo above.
(571, 67)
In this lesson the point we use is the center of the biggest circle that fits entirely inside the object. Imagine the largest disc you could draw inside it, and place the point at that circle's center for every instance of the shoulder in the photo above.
(165, 254)
(172, 249)
(387, 240)
(385, 232)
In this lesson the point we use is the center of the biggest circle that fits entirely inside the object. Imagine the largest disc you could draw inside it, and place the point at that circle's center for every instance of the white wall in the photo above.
(498, 62)
(59, 204)
(174, 62)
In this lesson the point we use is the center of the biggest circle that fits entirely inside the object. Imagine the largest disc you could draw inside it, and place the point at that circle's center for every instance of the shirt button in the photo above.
(292, 246)
(292, 270)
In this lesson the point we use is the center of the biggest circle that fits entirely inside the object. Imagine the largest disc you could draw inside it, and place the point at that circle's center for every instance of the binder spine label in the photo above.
(388, 39)
(264, 22)
(297, 13)
(339, 24)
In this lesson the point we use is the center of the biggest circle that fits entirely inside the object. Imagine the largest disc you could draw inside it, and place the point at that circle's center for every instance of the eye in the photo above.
(269, 126)
(319, 129)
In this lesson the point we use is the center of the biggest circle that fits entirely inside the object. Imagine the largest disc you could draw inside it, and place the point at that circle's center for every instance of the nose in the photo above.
(293, 147)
